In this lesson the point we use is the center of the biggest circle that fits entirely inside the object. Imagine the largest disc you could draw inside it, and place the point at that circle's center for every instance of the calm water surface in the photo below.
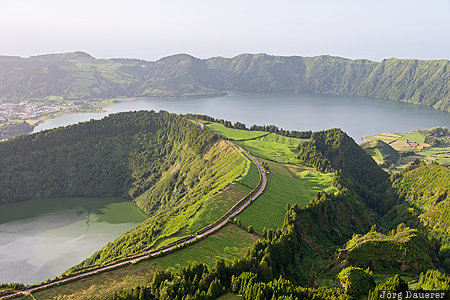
(42, 239)
(358, 116)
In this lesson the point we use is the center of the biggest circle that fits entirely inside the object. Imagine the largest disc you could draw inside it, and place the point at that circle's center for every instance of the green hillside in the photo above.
(80, 76)
(424, 190)
(330, 200)
(381, 152)
(289, 182)
(402, 249)
(171, 168)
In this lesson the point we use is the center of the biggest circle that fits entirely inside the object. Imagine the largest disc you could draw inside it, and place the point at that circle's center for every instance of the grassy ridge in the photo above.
(179, 216)
(403, 248)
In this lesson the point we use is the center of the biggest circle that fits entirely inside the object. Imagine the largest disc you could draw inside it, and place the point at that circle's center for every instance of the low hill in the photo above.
(80, 76)
(381, 152)
(402, 249)
(334, 151)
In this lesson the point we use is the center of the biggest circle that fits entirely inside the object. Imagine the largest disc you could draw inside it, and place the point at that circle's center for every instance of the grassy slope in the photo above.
(427, 191)
(288, 184)
(381, 152)
(220, 166)
(273, 147)
(262, 144)
(402, 249)
(231, 133)
(228, 243)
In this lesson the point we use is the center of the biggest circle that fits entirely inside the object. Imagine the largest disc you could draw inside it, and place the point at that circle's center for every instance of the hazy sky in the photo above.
(373, 29)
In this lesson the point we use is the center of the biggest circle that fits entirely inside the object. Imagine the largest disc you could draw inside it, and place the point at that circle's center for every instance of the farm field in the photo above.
(228, 243)
(413, 145)
(262, 144)
(273, 147)
(288, 184)
(233, 134)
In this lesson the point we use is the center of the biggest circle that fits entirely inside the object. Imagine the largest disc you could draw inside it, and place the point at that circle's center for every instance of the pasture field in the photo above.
(228, 243)
(273, 147)
(231, 133)
(262, 144)
(251, 177)
(439, 154)
(413, 137)
(385, 137)
(288, 184)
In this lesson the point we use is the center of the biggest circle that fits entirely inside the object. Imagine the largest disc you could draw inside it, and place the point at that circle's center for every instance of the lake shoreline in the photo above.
(181, 105)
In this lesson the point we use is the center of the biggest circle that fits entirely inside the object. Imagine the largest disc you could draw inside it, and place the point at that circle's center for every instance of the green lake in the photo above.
(42, 239)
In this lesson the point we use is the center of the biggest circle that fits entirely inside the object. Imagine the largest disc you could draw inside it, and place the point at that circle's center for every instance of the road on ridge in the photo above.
(237, 210)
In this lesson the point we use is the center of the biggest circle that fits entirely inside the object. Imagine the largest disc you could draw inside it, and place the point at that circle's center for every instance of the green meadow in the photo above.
(273, 147)
(231, 133)
(287, 184)
(262, 144)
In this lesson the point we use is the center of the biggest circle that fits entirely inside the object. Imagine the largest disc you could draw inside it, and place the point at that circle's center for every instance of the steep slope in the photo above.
(334, 150)
(402, 249)
(381, 152)
(425, 194)
(80, 76)
(167, 165)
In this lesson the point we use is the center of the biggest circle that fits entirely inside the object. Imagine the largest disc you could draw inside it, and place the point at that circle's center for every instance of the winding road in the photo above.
(241, 205)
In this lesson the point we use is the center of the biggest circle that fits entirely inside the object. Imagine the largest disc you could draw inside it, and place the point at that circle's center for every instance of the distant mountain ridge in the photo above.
(78, 75)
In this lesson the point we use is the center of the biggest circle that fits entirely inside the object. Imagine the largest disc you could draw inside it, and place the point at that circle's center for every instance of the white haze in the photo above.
(373, 29)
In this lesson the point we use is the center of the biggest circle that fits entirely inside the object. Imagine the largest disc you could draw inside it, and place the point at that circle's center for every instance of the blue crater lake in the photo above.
(357, 116)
